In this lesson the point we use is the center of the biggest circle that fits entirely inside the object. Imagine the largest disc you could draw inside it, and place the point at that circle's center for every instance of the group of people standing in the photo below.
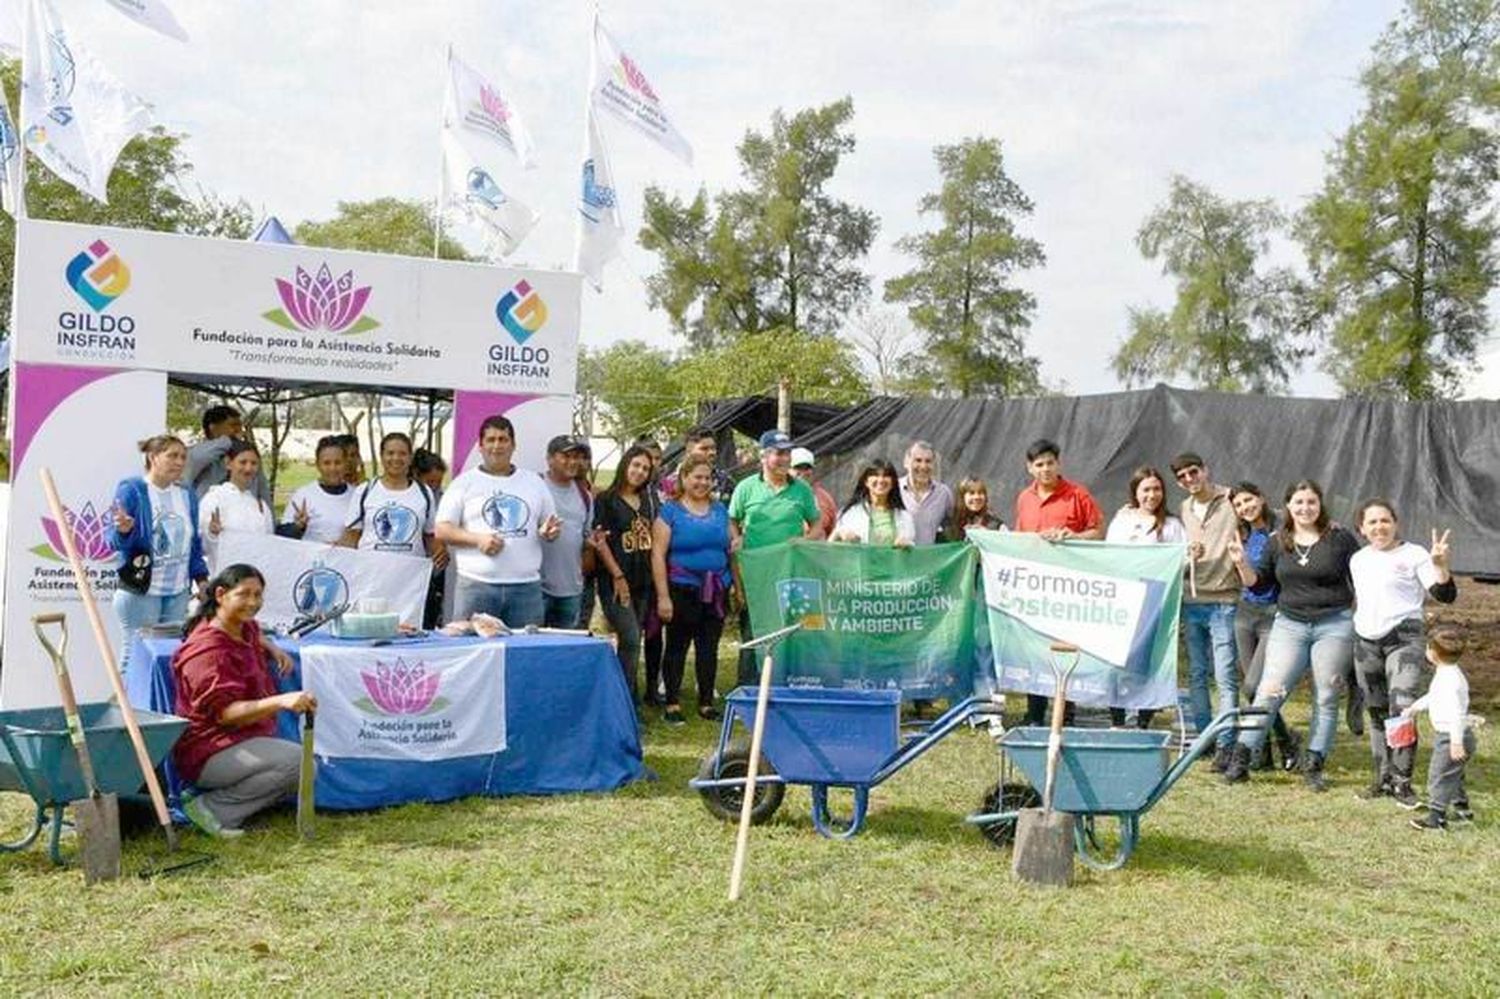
(1269, 597)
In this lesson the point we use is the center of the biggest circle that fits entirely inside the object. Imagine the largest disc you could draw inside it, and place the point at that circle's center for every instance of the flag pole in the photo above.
(588, 99)
(437, 208)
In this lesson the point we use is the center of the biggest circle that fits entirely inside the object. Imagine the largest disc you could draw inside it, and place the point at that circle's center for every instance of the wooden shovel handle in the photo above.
(107, 653)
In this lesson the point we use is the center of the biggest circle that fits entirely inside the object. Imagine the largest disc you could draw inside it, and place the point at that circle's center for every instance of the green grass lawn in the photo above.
(1264, 888)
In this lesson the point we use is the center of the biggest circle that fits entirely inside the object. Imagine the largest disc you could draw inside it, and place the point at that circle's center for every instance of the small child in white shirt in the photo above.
(1447, 704)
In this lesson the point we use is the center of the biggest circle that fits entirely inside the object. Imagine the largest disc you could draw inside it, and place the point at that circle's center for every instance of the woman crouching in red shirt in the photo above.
(225, 691)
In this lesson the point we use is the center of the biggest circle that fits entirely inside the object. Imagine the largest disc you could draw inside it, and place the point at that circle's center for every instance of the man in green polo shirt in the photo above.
(767, 509)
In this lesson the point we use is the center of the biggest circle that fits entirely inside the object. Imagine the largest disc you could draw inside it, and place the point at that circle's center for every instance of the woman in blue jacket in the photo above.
(153, 526)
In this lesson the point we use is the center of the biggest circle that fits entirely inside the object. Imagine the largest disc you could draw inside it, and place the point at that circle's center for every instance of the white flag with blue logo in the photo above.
(470, 189)
(10, 160)
(476, 106)
(599, 227)
(153, 14)
(75, 116)
(621, 88)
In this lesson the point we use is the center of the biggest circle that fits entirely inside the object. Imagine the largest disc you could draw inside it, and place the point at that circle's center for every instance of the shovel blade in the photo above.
(97, 820)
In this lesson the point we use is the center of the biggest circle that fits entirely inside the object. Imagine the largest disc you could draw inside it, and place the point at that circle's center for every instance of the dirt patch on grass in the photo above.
(1477, 610)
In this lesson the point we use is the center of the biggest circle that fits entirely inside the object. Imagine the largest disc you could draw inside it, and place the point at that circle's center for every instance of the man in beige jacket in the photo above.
(1212, 592)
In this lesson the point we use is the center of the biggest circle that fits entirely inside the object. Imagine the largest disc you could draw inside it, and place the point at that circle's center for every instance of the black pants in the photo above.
(1143, 717)
(1037, 713)
(693, 623)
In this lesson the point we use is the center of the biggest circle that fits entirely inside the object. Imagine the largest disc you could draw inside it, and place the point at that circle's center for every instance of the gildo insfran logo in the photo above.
(98, 275)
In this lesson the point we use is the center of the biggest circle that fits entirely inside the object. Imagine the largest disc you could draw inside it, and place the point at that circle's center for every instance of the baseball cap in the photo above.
(562, 442)
(775, 440)
(802, 456)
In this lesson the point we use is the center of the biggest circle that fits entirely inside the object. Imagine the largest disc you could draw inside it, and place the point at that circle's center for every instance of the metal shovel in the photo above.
(97, 817)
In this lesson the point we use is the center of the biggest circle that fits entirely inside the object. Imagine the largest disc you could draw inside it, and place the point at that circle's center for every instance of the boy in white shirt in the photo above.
(1447, 704)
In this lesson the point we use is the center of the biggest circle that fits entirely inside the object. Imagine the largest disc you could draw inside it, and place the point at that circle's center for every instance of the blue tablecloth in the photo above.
(570, 726)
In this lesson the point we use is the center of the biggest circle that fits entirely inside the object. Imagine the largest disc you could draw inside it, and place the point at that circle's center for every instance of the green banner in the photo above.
(871, 617)
(1117, 603)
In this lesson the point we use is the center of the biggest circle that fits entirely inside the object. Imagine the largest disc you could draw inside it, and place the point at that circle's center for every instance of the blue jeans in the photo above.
(517, 604)
(136, 611)
(1208, 630)
(561, 612)
(1327, 646)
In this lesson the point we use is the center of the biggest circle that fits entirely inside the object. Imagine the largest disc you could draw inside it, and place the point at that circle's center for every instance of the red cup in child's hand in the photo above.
(1400, 732)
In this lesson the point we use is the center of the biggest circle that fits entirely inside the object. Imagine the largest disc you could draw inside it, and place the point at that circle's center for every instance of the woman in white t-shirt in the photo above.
(393, 513)
(234, 505)
(1144, 520)
(1392, 580)
(318, 511)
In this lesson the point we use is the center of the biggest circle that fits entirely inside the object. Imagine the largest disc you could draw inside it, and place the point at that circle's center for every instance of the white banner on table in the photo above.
(414, 702)
(306, 578)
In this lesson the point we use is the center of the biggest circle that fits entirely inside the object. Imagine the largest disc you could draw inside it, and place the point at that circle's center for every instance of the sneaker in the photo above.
(1431, 822)
(1261, 758)
(1405, 796)
(673, 717)
(1312, 773)
(708, 712)
(1377, 789)
(1462, 813)
(1222, 756)
(1238, 767)
(207, 822)
(1291, 752)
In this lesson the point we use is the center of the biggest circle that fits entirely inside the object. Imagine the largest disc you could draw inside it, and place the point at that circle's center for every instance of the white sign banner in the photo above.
(55, 410)
(418, 702)
(126, 298)
(305, 578)
(1099, 614)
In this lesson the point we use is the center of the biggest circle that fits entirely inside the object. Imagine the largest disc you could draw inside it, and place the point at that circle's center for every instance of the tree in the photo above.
(1400, 240)
(385, 225)
(636, 384)
(147, 190)
(822, 368)
(960, 295)
(1230, 329)
(889, 347)
(780, 253)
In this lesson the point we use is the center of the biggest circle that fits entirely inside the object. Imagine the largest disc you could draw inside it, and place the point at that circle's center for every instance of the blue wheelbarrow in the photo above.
(37, 758)
(1119, 773)
(824, 738)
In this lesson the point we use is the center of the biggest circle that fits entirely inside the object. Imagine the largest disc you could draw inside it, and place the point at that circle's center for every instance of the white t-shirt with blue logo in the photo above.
(393, 520)
(171, 540)
(512, 506)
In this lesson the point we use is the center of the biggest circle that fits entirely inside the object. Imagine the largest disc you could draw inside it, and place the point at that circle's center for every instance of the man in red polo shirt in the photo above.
(1058, 510)
(1052, 506)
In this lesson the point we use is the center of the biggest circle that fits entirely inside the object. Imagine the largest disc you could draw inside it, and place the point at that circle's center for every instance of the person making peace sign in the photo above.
(1392, 579)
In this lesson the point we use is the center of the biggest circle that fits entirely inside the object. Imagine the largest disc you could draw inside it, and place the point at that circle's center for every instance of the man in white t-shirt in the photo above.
(495, 518)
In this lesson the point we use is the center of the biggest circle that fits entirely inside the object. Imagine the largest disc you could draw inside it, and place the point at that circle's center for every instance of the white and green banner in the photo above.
(872, 617)
(1117, 603)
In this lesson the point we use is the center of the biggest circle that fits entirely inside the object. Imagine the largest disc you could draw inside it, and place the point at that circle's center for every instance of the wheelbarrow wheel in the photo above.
(724, 803)
(1008, 797)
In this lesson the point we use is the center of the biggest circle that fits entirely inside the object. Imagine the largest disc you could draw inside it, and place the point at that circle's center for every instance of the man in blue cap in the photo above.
(767, 509)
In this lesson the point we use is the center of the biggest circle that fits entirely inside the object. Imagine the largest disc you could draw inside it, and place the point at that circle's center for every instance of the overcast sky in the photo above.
(295, 106)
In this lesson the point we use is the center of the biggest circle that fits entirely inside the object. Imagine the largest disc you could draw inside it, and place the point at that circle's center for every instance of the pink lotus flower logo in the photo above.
(87, 528)
(314, 304)
(494, 105)
(401, 688)
(636, 78)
